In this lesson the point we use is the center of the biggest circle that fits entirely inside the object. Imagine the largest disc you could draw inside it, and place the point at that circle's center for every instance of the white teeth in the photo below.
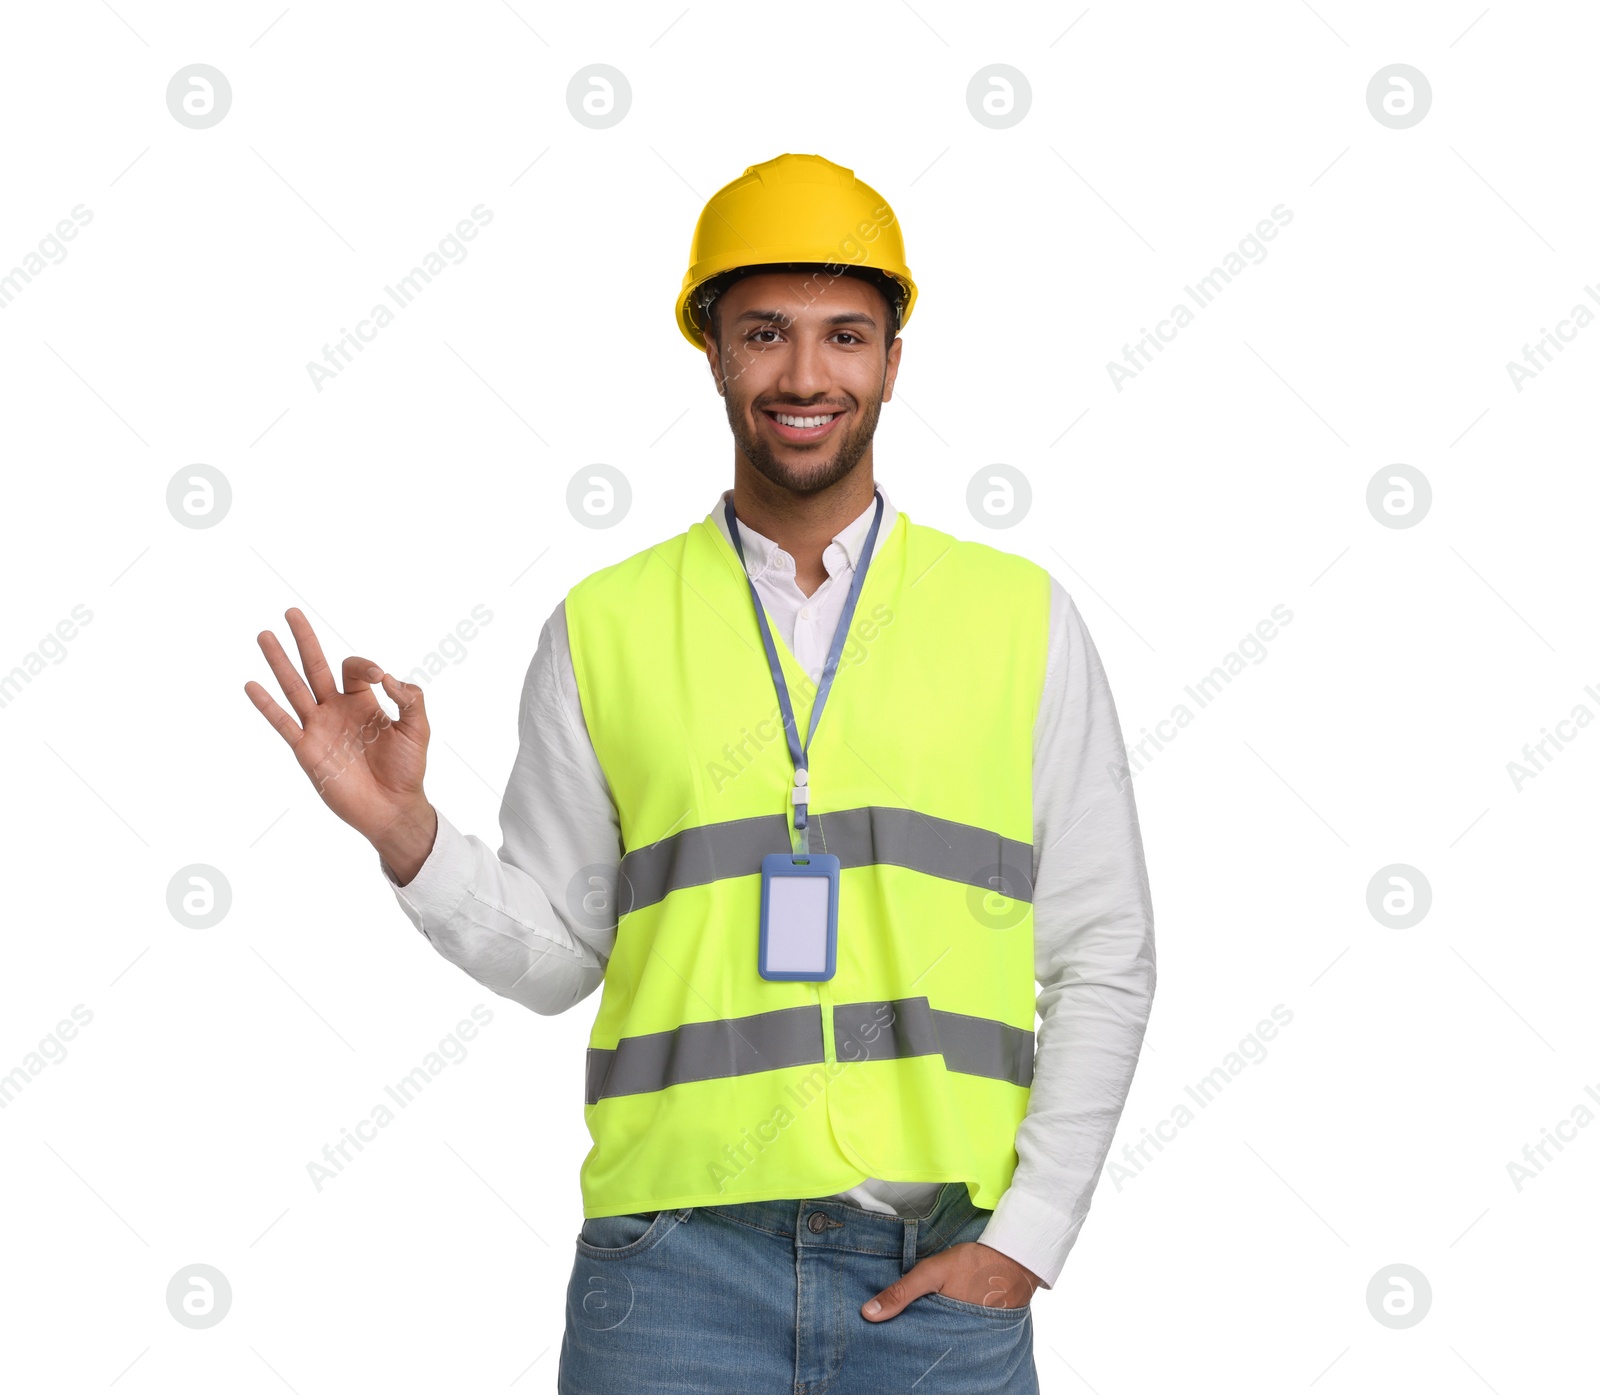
(805, 421)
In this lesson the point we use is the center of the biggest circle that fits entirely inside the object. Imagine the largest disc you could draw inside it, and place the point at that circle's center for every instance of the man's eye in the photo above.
(763, 331)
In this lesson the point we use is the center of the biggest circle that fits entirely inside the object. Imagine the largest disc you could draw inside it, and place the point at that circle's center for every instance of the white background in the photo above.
(431, 477)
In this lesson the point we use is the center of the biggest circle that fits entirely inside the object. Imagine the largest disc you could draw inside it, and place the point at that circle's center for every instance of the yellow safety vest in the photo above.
(706, 1083)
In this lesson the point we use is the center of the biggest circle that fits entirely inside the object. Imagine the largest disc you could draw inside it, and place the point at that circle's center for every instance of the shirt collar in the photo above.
(762, 554)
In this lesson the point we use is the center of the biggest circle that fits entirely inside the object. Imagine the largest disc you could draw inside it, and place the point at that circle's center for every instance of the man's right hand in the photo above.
(366, 765)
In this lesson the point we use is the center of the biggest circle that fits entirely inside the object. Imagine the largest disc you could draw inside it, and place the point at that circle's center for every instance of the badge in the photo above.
(799, 916)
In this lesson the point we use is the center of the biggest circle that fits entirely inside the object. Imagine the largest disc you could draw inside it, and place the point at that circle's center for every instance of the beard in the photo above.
(816, 468)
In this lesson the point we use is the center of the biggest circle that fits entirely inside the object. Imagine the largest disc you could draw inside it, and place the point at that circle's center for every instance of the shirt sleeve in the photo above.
(1094, 953)
(522, 922)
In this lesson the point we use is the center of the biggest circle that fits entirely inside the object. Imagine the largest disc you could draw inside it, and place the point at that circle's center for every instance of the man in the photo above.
(816, 794)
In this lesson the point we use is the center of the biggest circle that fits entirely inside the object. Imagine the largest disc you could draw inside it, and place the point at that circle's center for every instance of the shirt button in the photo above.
(806, 613)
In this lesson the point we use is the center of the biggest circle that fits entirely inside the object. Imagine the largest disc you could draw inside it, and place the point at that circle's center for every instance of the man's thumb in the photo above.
(408, 698)
(890, 1301)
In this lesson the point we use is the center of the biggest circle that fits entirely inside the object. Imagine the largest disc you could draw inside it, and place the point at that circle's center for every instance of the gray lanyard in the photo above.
(798, 753)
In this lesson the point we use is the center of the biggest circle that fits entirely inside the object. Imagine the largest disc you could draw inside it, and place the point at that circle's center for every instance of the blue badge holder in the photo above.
(799, 917)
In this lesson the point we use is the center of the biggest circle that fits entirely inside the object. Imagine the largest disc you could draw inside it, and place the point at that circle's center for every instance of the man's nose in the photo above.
(804, 372)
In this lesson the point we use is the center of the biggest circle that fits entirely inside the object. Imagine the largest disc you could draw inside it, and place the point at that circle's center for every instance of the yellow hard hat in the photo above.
(794, 209)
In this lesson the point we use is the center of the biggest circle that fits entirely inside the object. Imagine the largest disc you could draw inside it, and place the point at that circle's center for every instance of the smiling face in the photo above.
(799, 357)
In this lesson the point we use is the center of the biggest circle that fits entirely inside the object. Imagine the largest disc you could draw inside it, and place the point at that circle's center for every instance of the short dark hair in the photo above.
(707, 300)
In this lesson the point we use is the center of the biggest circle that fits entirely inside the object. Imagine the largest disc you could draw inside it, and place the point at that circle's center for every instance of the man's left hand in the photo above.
(971, 1272)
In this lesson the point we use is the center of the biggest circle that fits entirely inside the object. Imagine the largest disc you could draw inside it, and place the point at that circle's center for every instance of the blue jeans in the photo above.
(764, 1298)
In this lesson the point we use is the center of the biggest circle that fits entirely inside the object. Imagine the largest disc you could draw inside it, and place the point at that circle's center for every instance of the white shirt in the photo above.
(505, 918)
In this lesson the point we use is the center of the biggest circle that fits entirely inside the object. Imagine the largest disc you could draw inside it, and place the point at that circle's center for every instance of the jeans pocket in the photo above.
(613, 1237)
(983, 1310)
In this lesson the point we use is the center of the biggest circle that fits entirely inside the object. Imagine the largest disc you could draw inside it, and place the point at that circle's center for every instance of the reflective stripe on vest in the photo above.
(793, 1037)
(857, 837)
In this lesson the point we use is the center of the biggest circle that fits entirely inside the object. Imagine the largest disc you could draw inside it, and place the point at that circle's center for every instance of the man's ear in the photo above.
(891, 367)
(712, 357)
